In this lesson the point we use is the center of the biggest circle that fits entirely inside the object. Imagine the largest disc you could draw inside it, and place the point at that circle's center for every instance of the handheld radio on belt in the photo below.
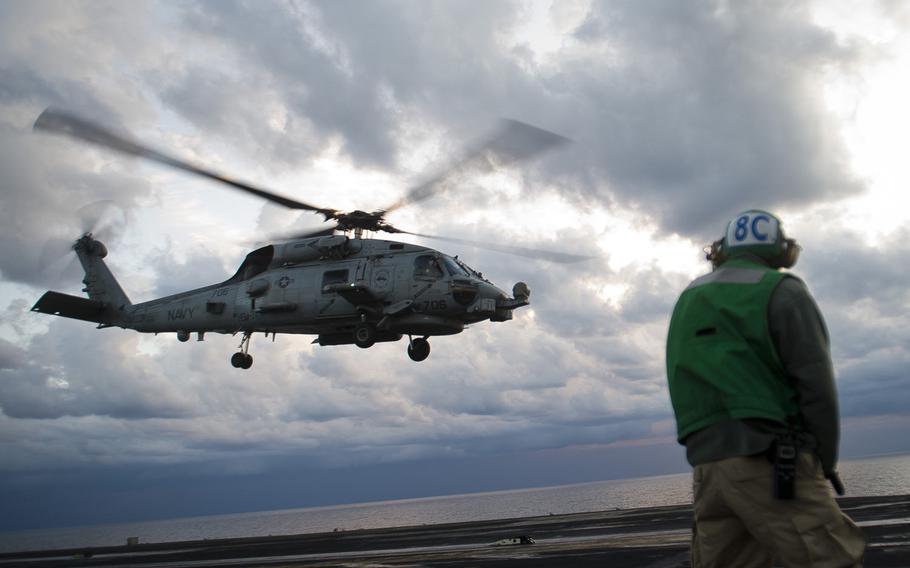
(785, 453)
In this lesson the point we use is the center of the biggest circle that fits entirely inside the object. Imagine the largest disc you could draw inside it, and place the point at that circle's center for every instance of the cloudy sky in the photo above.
(681, 114)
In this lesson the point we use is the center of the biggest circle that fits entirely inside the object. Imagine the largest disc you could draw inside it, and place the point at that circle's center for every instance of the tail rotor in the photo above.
(99, 219)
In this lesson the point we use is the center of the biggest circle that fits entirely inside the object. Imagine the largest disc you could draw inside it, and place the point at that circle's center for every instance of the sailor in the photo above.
(752, 387)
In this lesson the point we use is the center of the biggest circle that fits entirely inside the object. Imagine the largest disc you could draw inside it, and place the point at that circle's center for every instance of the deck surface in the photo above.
(653, 537)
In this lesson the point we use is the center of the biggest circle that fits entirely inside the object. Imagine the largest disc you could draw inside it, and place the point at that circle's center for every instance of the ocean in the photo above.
(884, 475)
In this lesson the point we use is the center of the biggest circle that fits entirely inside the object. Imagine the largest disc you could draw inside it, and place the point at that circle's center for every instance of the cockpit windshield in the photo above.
(454, 268)
(461, 269)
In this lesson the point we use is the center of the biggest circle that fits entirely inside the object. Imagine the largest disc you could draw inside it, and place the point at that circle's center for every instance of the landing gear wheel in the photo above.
(364, 335)
(247, 361)
(242, 359)
(237, 360)
(419, 349)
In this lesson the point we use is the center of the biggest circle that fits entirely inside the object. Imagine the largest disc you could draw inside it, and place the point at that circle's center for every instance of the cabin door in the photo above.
(330, 303)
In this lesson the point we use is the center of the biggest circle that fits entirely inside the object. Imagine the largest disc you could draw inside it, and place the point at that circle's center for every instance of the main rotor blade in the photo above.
(560, 257)
(513, 142)
(58, 122)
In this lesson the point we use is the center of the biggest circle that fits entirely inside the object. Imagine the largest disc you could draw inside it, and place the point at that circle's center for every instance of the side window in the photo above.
(334, 277)
(427, 266)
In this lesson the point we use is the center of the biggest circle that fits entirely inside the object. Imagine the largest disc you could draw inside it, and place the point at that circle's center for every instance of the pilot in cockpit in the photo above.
(428, 267)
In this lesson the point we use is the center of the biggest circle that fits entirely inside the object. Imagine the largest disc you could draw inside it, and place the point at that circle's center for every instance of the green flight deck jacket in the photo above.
(747, 358)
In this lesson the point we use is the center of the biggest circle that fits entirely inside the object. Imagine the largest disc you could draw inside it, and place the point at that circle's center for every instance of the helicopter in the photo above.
(336, 283)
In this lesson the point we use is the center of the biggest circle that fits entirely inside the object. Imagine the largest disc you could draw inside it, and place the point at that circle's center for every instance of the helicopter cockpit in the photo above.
(454, 268)
(427, 266)
(458, 268)
(435, 266)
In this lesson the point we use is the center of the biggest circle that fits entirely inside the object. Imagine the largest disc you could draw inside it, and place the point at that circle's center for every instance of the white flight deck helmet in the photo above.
(758, 233)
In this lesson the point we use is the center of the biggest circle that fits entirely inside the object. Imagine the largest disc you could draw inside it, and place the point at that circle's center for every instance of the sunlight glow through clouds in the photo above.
(546, 27)
(869, 102)
(871, 105)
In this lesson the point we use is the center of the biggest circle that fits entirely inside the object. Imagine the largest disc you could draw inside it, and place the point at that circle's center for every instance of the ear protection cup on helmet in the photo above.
(715, 252)
(789, 253)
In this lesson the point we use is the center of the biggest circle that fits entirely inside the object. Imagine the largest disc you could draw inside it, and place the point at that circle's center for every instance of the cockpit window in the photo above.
(467, 268)
(427, 266)
(454, 268)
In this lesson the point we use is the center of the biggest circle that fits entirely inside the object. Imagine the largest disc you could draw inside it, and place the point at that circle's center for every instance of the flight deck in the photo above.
(655, 537)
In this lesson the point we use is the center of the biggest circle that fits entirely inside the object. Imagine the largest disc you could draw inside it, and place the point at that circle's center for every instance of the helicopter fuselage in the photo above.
(416, 290)
(343, 290)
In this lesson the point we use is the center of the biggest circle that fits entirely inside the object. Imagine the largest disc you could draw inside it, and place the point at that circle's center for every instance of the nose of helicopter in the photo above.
(500, 302)
(520, 294)
(488, 291)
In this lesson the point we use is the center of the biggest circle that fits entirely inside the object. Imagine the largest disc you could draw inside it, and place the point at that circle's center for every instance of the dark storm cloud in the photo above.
(705, 108)
(684, 112)
(685, 118)
(460, 76)
(277, 53)
(877, 384)
(69, 372)
(11, 356)
(25, 84)
(200, 268)
(168, 491)
(858, 286)
(691, 111)
(844, 269)
(247, 111)
(614, 348)
(47, 180)
(359, 76)
(43, 191)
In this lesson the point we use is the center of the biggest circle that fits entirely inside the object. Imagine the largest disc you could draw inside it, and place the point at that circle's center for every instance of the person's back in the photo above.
(751, 382)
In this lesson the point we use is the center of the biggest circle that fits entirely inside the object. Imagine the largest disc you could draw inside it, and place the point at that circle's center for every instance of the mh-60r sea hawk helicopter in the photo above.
(344, 288)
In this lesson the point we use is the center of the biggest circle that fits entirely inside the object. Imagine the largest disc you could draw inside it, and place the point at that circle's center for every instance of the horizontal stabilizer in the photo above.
(70, 307)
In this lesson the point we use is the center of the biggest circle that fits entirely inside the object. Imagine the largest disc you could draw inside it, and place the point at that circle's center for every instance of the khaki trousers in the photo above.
(738, 522)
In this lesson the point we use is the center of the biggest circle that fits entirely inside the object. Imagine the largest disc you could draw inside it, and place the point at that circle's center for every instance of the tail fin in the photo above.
(106, 300)
(100, 284)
